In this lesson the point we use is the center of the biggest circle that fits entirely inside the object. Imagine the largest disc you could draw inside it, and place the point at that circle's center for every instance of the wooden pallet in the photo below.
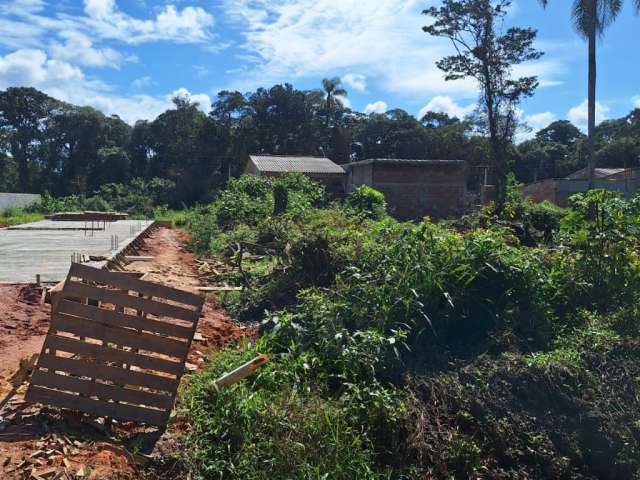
(116, 346)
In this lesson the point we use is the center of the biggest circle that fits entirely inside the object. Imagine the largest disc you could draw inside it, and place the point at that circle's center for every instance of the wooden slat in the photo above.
(87, 327)
(99, 380)
(82, 290)
(101, 390)
(97, 407)
(106, 354)
(111, 317)
(105, 372)
(126, 282)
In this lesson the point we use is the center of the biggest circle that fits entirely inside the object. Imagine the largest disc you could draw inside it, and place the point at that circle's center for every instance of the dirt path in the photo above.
(23, 325)
(38, 438)
(174, 266)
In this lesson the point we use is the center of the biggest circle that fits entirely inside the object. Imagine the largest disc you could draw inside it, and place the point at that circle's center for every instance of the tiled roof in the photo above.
(597, 173)
(275, 163)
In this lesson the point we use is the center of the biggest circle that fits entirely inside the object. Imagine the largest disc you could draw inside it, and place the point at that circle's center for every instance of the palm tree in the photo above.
(590, 19)
(333, 91)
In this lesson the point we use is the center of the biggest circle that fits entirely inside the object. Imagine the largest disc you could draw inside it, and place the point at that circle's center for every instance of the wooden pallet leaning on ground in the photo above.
(116, 346)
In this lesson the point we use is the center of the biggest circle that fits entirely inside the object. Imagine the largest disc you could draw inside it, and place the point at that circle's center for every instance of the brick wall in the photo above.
(414, 191)
(540, 191)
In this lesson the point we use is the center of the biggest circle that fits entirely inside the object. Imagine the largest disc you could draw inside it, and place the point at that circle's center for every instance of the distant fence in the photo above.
(17, 200)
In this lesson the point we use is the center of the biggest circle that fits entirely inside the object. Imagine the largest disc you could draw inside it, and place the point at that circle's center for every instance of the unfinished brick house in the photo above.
(320, 169)
(558, 190)
(414, 188)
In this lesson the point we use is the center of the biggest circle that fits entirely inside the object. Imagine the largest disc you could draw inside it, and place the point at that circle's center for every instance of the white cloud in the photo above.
(189, 25)
(538, 121)
(376, 107)
(356, 81)
(99, 8)
(145, 81)
(31, 67)
(344, 101)
(20, 7)
(201, 71)
(103, 19)
(61, 80)
(636, 101)
(385, 42)
(288, 39)
(446, 104)
(579, 117)
(78, 49)
(202, 99)
(532, 124)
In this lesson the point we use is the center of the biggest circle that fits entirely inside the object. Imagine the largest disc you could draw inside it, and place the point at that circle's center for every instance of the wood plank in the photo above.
(87, 327)
(105, 372)
(97, 407)
(101, 390)
(82, 290)
(138, 258)
(111, 317)
(219, 289)
(106, 354)
(147, 288)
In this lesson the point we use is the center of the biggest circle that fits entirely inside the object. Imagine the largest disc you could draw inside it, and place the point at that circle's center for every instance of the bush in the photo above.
(270, 427)
(97, 204)
(440, 353)
(367, 202)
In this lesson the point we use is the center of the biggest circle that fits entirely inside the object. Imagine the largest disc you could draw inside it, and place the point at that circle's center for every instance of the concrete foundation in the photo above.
(46, 247)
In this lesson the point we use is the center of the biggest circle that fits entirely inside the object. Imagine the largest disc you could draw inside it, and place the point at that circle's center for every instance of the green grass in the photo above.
(268, 427)
(178, 218)
(17, 216)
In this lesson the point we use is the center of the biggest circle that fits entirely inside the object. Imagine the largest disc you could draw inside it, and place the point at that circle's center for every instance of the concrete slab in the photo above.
(41, 249)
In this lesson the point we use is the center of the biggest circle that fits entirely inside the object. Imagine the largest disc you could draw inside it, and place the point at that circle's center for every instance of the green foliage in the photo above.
(367, 202)
(602, 230)
(272, 426)
(533, 223)
(245, 200)
(280, 199)
(418, 335)
(16, 216)
(138, 197)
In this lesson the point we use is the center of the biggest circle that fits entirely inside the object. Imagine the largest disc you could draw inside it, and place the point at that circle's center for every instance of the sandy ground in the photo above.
(44, 438)
(23, 325)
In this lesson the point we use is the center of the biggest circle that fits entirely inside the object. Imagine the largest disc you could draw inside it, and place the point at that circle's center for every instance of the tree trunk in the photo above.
(592, 100)
(20, 154)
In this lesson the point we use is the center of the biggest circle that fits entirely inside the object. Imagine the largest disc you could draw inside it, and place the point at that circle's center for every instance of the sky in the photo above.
(131, 57)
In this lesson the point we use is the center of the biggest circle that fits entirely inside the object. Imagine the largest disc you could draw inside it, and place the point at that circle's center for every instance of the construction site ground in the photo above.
(41, 442)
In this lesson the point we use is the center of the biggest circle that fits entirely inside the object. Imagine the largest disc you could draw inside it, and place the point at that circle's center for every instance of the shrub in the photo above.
(247, 200)
(280, 199)
(367, 202)
(602, 232)
(270, 427)
(440, 353)
(203, 227)
(97, 204)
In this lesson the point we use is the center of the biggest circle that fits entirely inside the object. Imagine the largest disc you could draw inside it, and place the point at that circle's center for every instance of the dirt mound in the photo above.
(504, 419)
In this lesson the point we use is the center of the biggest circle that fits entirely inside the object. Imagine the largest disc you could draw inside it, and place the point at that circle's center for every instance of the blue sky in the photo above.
(130, 57)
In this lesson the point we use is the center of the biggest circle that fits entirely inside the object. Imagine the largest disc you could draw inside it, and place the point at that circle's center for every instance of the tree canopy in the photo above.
(487, 54)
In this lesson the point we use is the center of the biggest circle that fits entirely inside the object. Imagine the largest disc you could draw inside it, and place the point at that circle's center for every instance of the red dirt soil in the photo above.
(23, 324)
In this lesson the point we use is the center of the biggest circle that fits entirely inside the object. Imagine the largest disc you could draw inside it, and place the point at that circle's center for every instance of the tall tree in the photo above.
(333, 92)
(487, 53)
(23, 112)
(590, 19)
